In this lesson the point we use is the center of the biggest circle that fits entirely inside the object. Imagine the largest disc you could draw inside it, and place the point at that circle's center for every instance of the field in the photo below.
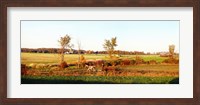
(28, 58)
(159, 73)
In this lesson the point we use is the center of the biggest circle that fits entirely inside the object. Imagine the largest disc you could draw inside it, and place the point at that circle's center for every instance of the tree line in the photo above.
(57, 50)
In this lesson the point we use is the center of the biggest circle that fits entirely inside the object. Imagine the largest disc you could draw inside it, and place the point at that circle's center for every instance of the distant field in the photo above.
(27, 58)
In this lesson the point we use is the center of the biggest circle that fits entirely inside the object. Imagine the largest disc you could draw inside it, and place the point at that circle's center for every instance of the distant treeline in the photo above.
(74, 51)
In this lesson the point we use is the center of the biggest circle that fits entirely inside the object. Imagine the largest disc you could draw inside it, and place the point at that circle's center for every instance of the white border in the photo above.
(182, 90)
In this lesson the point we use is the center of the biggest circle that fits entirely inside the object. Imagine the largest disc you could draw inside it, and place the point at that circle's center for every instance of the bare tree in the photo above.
(171, 50)
(110, 45)
(64, 43)
(79, 52)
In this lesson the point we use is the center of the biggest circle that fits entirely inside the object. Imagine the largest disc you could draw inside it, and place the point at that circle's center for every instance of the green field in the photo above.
(28, 58)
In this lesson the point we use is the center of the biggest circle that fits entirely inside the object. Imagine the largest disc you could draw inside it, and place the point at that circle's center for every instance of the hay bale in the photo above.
(53, 65)
(32, 65)
(55, 68)
(39, 66)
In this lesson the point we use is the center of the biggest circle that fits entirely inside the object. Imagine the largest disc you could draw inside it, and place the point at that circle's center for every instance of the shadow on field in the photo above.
(175, 81)
(41, 81)
(63, 81)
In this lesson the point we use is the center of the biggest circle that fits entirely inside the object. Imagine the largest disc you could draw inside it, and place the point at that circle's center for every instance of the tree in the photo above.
(79, 52)
(109, 46)
(64, 43)
(171, 50)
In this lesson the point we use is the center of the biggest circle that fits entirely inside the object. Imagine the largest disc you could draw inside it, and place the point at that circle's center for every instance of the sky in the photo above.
(147, 36)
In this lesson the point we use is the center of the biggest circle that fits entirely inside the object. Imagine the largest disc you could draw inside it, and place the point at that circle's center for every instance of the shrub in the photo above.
(176, 61)
(126, 62)
(117, 62)
(99, 63)
(139, 60)
(152, 62)
(110, 68)
(108, 63)
(133, 62)
(82, 62)
(63, 64)
(171, 61)
(82, 59)
(90, 63)
(23, 69)
(165, 61)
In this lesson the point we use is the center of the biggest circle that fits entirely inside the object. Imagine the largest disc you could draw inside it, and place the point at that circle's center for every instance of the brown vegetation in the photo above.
(63, 65)
(152, 62)
(171, 61)
(139, 60)
(126, 62)
(113, 67)
(107, 71)
(23, 69)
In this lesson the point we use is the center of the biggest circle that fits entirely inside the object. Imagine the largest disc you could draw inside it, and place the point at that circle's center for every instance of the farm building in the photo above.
(164, 54)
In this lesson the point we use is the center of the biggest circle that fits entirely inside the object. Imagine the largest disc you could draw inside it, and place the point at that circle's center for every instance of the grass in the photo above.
(157, 58)
(28, 58)
(158, 67)
(97, 80)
